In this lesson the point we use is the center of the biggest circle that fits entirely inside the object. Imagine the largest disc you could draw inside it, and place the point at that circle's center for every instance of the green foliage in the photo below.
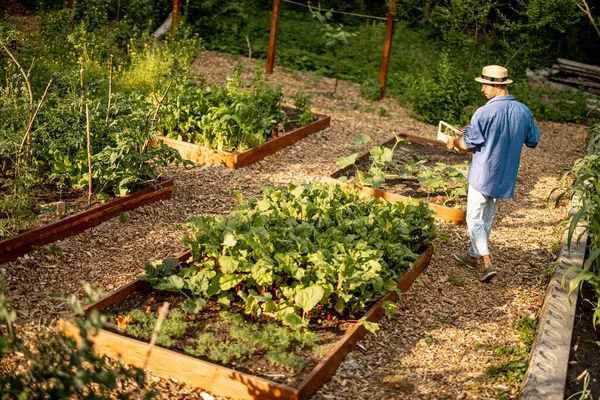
(142, 325)
(552, 105)
(285, 359)
(511, 371)
(54, 154)
(277, 344)
(455, 281)
(208, 346)
(447, 179)
(58, 367)
(444, 45)
(583, 181)
(225, 117)
(302, 103)
(527, 328)
(370, 89)
(272, 253)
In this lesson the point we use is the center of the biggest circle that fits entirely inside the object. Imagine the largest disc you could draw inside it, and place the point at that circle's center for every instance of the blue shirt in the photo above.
(496, 134)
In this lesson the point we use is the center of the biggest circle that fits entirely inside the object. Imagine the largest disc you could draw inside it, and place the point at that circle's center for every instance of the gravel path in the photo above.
(442, 340)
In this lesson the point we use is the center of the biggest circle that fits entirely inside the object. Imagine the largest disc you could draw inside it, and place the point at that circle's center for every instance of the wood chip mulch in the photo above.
(442, 340)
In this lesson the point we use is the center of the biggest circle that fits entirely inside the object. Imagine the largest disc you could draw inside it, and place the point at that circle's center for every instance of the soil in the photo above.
(585, 347)
(209, 320)
(405, 153)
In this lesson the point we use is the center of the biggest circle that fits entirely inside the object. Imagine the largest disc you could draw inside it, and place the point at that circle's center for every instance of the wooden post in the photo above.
(387, 47)
(273, 35)
(176, 14)
(69, 4)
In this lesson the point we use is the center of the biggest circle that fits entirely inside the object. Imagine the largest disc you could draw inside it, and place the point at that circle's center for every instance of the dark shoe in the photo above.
(487, 274)
(465, 260)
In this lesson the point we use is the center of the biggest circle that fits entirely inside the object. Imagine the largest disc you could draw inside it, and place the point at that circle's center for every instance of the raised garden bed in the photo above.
(205, 155)
(71, 225)
(398, 188)
(220, 379)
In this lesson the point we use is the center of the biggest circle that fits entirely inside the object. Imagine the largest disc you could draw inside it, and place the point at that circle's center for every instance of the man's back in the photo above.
(497, 133)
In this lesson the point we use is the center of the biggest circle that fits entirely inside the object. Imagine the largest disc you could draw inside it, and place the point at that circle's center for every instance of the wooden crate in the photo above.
(205, 155)
(16, 246)
(440, 212)
(225, 381)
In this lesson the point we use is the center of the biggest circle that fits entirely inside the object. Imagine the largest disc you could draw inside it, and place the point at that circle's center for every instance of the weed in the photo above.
(455, 281)
(123, 217)
(527, 328)
(511, 371)
(383, 112)
(286, 360)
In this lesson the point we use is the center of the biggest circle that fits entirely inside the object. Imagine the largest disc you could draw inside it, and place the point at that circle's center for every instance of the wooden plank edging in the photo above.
(16, 246)
(221, 380)
(205, 155)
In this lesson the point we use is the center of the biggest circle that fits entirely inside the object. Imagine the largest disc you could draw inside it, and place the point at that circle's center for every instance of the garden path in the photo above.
(442, 340)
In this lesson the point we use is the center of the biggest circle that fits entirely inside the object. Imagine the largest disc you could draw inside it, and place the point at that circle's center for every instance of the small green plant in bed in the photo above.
(140, 325)
(439, 179)
(234, 339)
(302, 253)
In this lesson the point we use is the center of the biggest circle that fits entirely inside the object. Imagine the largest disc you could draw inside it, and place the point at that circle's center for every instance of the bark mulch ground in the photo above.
(443, 339)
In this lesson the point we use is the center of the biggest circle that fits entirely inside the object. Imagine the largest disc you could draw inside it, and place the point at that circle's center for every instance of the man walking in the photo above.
(496, 136)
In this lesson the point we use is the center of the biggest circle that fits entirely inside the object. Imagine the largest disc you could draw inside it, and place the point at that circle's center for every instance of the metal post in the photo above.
(387, 47)
(273, 35)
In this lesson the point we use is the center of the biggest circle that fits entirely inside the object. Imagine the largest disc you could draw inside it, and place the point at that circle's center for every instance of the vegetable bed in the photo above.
(410, 167)
(59, 228)
(268, 289)
(206, 155)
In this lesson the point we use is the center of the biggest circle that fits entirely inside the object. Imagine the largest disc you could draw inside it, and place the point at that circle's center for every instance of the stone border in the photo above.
(546, 376)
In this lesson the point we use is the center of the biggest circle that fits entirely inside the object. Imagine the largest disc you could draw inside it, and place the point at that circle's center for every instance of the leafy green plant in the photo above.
(225, 117)
(336, 37)
(302, 103)
(450, 180)
(582, 180)
(318, 249)
(380, 157)
(58, 367)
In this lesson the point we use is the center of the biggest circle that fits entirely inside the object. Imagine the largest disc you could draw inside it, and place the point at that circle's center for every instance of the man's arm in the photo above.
(457, 143)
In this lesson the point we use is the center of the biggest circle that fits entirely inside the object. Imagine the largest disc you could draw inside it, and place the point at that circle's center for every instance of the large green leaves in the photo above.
(308, 248)
(309, 297)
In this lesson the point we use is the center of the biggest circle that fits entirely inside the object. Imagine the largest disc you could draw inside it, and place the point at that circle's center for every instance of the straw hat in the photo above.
(494, 75)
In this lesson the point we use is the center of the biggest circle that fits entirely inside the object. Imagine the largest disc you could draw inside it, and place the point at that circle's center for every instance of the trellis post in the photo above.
(69, 4)
(273, 35)
(176, 14)
(387, 47)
